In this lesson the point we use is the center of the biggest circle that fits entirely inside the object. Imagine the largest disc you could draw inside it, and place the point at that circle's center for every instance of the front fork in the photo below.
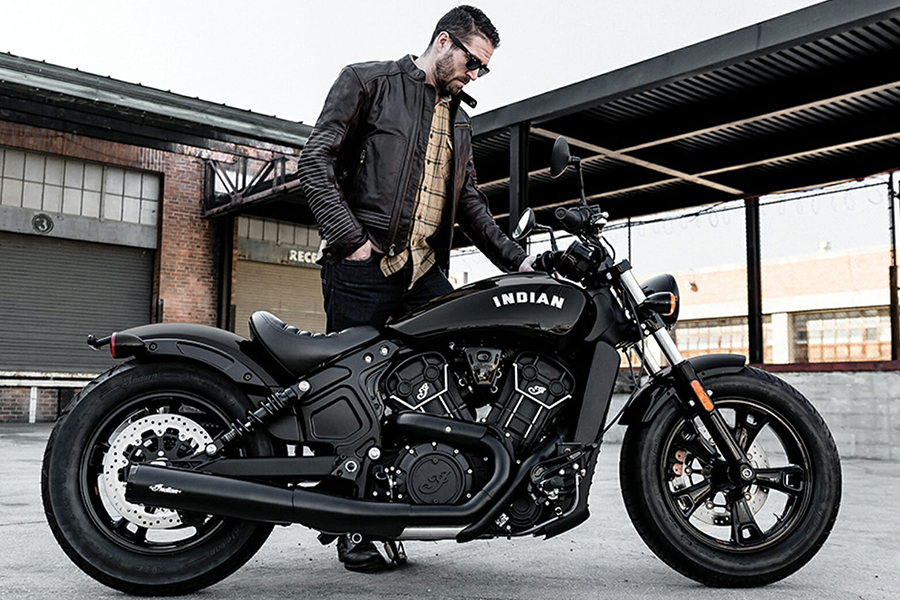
(689, 388)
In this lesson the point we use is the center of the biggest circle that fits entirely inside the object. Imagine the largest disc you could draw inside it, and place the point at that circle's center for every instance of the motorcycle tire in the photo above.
(145, 412)
(677, 493)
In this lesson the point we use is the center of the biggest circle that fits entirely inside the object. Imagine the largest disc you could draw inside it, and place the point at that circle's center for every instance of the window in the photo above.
(718, 336)
(65, 186)
(840, 336)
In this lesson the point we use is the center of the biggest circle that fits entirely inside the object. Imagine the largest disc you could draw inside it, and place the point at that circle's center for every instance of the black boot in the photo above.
(363, 557)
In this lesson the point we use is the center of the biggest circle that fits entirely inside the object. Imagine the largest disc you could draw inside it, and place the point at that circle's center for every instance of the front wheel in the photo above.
(144, 413)
(695, 518)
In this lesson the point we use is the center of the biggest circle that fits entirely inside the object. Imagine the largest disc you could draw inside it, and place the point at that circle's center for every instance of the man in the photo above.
(387, 171)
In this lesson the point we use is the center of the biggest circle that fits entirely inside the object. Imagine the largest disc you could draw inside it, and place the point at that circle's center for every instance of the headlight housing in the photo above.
(662, 297)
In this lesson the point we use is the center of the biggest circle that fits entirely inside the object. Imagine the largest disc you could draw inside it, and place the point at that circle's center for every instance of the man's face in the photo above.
(450, 71)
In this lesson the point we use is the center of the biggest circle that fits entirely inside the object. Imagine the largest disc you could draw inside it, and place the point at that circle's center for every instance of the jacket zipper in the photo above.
(395, 225)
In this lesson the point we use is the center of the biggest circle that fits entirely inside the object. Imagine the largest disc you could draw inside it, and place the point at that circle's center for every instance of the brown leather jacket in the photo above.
(361, 167)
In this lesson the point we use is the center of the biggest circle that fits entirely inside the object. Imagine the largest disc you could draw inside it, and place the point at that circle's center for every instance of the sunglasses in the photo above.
(473, 64)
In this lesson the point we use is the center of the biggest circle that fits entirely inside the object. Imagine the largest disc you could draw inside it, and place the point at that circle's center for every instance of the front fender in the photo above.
(236, 357)
(661, 388)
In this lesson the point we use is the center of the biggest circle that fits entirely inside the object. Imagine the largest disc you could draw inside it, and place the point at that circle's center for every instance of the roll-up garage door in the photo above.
(54, 292)
(293, 294)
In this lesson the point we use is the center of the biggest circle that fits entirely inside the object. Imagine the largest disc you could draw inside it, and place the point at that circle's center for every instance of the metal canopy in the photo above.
(806, 99)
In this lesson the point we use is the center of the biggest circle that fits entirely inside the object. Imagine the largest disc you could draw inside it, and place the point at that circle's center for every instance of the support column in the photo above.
(754, 281)
(227, 226)
(892, 275)
(518, 173)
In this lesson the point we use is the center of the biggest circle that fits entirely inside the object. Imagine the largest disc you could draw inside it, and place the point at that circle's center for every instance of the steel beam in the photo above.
(892, 273)
(754, 281)
(622, 157)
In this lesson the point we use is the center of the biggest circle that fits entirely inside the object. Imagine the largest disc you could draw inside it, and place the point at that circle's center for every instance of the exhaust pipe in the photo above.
(214, 494)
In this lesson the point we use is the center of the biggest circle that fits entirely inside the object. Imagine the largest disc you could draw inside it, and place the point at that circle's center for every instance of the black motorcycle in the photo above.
(478, 415)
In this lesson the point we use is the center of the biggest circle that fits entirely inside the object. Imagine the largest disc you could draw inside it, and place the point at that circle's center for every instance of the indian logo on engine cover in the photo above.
(528, 298)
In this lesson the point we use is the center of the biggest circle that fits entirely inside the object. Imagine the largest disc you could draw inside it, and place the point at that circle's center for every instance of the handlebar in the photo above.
(571, 219)
(548, 261)
(575, 263)
(578, 218)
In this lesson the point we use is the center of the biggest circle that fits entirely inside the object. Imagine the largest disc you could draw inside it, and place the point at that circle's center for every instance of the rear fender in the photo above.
(237, 358)
(650, 398)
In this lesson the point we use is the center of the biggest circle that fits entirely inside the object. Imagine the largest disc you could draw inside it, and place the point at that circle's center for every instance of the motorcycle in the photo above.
(478, 415)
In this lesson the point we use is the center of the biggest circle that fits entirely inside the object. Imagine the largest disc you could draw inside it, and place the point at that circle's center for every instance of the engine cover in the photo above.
(536, 391)
(434, 474)
(423, 383)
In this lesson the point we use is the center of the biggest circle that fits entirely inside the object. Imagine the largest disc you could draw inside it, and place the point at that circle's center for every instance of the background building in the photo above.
(102, 227)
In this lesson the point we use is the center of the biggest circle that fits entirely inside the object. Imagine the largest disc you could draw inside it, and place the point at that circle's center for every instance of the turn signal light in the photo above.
(663, 303)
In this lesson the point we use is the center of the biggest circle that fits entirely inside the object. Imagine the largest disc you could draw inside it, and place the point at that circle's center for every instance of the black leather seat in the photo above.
(300, 351)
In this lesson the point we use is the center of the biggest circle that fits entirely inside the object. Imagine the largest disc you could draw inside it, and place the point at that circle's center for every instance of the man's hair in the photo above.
(464, 22)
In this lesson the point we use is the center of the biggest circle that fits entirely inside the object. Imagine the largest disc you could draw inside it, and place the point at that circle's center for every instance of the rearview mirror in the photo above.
(525, 225)
(559, 158)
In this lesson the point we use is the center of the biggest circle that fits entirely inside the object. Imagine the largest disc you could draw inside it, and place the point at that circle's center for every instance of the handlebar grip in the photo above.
(547, 261)
(571, 219)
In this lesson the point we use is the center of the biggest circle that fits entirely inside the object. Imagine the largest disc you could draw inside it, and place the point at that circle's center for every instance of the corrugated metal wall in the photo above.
(54, 292)
(292, 294)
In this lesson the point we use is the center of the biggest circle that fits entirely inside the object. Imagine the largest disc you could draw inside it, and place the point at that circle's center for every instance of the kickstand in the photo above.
(395, 551)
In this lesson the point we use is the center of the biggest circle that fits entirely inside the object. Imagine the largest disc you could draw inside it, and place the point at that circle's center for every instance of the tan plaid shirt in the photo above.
(430, 200)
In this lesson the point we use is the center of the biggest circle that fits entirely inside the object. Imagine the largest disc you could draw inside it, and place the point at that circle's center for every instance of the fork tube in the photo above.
(661, 335)
(648, 360)
(691, 389)
(668, 347)
(630, 283)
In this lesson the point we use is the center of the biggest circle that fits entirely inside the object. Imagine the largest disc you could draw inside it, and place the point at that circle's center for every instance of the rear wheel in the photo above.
(144, 413)
(688, 510)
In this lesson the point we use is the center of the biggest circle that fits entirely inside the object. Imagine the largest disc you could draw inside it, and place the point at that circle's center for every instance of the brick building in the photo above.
(829, 308)
(105, 188)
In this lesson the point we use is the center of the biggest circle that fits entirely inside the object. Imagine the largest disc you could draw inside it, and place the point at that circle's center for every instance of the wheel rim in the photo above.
(704, 499)
(170, 426)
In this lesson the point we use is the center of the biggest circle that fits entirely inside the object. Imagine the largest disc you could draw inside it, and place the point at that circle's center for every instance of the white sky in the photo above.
(279, 58)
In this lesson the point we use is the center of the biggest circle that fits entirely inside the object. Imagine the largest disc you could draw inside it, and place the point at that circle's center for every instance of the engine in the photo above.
(523, 393)
(519, 393)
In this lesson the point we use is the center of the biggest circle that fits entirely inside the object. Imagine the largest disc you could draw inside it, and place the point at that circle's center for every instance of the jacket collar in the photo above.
(407, 63)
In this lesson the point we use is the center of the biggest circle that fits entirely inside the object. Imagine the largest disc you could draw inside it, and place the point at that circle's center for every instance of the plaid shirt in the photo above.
(430, 200)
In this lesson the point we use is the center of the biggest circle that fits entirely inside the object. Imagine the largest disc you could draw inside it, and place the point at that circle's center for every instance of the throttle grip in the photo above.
(547, 261)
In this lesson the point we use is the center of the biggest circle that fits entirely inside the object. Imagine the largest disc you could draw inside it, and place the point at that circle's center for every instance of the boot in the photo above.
(363, 557)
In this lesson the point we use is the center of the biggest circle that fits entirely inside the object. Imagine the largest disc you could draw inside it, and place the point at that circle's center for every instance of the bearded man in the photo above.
(387, 172)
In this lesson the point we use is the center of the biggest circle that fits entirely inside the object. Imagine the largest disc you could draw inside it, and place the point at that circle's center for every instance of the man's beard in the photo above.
(447, 83)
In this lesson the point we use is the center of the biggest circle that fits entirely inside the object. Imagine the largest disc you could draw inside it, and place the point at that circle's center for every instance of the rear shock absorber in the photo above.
(271, 407)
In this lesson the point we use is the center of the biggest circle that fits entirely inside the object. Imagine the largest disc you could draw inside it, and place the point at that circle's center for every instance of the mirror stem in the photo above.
(577, 162)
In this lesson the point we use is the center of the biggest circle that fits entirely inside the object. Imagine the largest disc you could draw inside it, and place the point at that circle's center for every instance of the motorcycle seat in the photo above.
(300, 351)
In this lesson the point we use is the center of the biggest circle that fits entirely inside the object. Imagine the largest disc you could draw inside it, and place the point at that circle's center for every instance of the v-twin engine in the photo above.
(519, 394)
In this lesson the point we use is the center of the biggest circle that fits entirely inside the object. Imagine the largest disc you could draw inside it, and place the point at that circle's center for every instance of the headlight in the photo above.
(662, 297)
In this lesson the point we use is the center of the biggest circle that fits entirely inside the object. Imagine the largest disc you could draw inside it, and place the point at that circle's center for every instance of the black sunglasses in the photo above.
(473, 64)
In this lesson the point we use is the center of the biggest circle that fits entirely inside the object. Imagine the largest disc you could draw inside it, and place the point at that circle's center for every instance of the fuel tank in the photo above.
(525, 302)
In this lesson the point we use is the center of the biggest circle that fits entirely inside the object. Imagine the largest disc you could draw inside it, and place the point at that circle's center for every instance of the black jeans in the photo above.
(357, 292)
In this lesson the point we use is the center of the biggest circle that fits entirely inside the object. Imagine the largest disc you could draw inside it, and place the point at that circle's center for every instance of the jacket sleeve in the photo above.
(318, 165)
(477, 222)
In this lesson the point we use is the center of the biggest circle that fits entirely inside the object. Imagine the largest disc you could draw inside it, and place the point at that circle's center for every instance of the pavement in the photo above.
(603, 558)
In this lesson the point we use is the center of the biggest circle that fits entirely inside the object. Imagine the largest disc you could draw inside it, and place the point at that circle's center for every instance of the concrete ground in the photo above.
(603, 558)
